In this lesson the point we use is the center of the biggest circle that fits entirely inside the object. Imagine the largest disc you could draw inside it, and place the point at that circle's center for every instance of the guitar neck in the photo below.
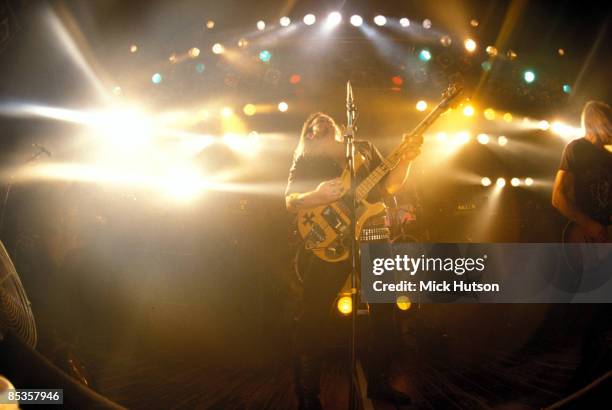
(394, 158)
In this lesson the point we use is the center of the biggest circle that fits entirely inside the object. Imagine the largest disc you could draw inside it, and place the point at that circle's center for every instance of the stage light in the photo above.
(243, 42)
(491, 51)
(194, 52)
(244, 144)
(560, 129)
(210, 24)
(567, 89)
(183, 183)
(117, 90)
(285, 21)
(133, 48)
(356, 20)
(404, 22)
(528, 181)
(156, 78)
(403, 303)
(265, 56)
(468, 111)
(295, 79)
(283, 106)
(446, 41)
(261, 25)
(470, 45)
(421, 105)
(474, 23)
(511, 54)
(515, 182)
(463, 137)
(561, 52)
(489, 114)
(424, 55)
(427, 24)
(218, 48)
(127, 128)
(501, 182)
(507, 117)
(345, 305)
(483, 139)
(333, 19)
(309, 19)
(485, 181)
(173, 59)
(380, 20)
(226, 112)
(502, 140)
(249, 110)
(200, 67)
(566, 131)
(441, 136)
(203, 115)
(397, 80)
(543, 125)
(529, 76)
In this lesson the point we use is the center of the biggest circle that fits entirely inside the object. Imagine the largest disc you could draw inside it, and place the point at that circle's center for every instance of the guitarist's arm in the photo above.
(397, 177)
(326, 193)
(563, 200)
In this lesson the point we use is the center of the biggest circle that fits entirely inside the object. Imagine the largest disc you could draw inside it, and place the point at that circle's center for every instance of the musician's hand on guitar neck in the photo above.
(412, 154)
(415, 147)
(330, 191)
(595, 231)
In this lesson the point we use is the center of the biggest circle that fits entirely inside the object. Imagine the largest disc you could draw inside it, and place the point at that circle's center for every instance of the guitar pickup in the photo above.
(333, 219)
(315, 236)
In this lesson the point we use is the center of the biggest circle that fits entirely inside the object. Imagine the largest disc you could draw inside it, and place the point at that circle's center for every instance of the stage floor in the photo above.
(535, 377)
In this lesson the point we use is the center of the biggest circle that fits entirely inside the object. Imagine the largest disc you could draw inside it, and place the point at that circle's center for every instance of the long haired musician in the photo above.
(583, 193)
(314, 180)
(583, 186)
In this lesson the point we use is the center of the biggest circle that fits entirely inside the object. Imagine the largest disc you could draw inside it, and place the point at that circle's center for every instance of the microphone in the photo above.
(40, 148)
(349, 97)
(350, 104)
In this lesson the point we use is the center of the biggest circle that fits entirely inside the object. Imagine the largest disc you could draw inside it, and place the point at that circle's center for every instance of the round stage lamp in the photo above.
(356, 20)
(380, 20)
(345, 305)
(309, 19)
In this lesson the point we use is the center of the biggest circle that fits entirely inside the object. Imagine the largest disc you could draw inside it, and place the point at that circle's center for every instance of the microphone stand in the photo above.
(349, 137)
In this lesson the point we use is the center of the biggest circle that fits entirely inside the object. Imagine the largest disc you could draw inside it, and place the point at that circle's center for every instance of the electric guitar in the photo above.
(326, 229)
(583, 259)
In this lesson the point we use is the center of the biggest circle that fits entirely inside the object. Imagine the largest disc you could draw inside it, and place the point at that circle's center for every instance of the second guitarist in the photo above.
(583, 185)
(583, 193)
(314, 180)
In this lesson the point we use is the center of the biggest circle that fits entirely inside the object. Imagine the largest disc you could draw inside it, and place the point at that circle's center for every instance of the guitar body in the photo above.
(574, 233)
(326, 229)
(577, 258)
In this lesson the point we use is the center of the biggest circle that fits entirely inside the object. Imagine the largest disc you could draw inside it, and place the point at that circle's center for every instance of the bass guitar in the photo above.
(326, 229)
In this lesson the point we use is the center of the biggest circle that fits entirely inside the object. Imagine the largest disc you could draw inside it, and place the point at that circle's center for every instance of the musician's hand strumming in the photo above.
(595, 231)
(330, 191)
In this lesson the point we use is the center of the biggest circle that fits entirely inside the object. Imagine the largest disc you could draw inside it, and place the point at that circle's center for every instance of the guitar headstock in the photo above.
(449, 97)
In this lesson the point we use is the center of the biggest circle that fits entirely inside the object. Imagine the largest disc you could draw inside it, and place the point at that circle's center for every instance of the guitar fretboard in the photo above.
(364, 188)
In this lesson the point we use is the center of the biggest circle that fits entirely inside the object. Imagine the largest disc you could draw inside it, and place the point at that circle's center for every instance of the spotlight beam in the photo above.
(76, 49)
(513, 13)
